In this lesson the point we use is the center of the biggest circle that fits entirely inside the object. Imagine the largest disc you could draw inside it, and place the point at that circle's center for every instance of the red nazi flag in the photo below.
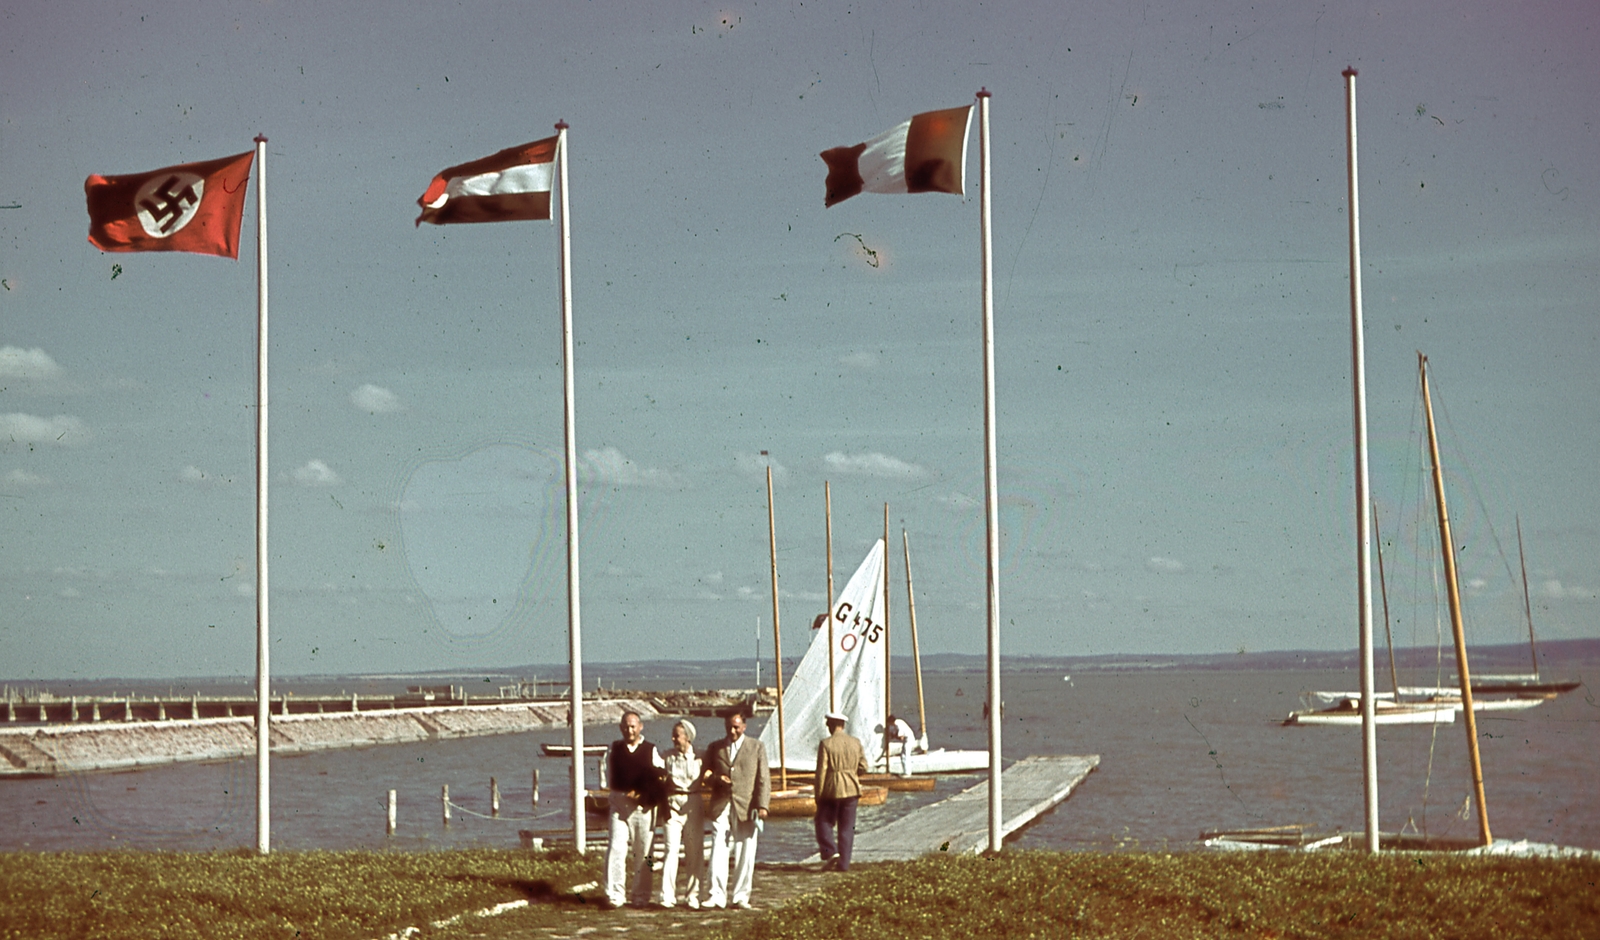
(194, 207)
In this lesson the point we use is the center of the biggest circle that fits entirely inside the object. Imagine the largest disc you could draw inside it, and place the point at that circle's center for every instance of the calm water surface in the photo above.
(1180, 752)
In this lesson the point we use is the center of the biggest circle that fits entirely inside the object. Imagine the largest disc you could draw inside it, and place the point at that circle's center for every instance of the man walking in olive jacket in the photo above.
(840, 763)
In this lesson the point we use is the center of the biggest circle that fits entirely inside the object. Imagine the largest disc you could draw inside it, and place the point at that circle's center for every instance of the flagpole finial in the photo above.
(561, 125)
(261, 138)
(984, 92)
(1349, 71)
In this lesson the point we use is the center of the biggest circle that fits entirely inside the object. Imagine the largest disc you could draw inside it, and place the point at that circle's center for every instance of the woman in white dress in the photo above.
(683, 819)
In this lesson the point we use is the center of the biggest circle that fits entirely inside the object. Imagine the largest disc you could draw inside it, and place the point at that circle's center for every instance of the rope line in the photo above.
(469, 812)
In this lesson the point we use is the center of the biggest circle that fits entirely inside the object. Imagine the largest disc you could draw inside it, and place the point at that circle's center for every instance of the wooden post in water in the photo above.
(444, 802)
(536, 789)
(391, 812)
(494, 797)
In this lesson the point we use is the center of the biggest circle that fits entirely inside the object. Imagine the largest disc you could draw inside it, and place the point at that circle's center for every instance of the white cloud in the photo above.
(375, 399)
(19, 363)
(1165, 565)
(316, 473)
(608, 466)
(1555, 589)
(757, 464)
(29, 429)
(873, 465)
(860, 360)
(20, 477)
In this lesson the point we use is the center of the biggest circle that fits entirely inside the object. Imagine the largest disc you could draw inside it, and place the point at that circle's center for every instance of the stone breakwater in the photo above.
(54, 750)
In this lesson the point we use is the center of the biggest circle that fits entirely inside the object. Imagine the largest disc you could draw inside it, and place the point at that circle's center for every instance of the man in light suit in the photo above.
(741, 791)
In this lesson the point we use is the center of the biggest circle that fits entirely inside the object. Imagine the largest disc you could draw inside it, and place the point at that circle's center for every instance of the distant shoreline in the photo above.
(1553, 655)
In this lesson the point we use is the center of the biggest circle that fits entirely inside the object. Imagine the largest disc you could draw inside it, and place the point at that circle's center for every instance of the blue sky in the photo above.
(1172, 336)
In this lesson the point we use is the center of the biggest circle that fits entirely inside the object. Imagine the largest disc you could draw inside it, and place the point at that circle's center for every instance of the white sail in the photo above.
(859, 642)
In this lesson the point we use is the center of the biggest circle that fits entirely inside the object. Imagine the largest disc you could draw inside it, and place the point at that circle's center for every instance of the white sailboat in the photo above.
(858, 667)
(859, 675)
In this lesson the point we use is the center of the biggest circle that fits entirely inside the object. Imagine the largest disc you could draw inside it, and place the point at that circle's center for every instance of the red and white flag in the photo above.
(192, 207)
(510, 186)
(926, 154)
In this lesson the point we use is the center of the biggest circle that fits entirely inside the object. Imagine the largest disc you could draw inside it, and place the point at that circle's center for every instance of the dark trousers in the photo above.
(836, 815)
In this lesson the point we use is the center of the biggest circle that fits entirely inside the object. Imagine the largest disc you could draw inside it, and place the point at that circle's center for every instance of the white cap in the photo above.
(836, 716)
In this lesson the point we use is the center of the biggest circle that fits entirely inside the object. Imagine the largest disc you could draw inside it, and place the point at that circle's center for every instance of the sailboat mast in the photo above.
(888, 684)
(777, 636)
(1527, 605)
(1454, 593)
(916, 650)
(827, 511)
(1383, 591)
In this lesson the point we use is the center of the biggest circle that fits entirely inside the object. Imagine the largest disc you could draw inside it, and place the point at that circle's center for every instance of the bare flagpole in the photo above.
(1369, 729)
(574, 621)
(263, 674)
(991, 484)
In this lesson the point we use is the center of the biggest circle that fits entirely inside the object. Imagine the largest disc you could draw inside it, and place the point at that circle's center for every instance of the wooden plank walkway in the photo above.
(1028, 789)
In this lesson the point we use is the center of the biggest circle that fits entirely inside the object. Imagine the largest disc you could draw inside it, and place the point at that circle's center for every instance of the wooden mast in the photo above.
(1454, 593)
(777, 637)
(827, 504)
(888, 684)
(1527, 605)
(1383, 590)
(916, 650)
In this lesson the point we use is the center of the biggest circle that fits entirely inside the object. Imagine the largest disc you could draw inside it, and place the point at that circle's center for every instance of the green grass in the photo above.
(367, 895)
(115, 895)
(1248, 894)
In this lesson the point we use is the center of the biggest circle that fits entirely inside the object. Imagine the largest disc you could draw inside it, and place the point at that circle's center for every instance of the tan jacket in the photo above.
(840, 764)
(752, 782)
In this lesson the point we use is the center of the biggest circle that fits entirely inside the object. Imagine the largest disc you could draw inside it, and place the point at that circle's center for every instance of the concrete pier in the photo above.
(1028, 789)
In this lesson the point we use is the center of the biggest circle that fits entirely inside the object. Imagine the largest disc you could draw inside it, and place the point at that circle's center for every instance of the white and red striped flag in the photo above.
(926, 154)
(510, 186)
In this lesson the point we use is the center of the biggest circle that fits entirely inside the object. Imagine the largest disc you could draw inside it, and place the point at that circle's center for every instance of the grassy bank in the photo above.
(117, 895)
(1260, 894)
(1018, 894)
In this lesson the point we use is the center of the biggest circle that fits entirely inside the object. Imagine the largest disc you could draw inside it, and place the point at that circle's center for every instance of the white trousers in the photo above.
(628, 855)
(738, 838)
(686, 828)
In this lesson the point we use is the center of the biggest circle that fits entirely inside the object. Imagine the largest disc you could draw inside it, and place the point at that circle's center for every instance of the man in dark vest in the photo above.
(633, 767)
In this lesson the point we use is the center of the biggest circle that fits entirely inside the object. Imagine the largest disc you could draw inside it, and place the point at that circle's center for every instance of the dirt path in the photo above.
(567, 918)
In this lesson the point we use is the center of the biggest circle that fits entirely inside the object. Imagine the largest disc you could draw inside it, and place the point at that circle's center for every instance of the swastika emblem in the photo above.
(167, 202)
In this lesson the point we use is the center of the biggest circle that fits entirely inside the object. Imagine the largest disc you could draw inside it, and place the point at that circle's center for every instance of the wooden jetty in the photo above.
(1029, 788)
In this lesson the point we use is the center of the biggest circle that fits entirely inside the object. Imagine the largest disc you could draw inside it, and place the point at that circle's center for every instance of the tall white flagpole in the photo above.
(574, 621)
(1369, 730)
(991, 484)
(263, 675)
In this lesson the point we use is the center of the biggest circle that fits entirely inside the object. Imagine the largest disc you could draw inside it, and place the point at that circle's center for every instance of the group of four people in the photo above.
(731, 785)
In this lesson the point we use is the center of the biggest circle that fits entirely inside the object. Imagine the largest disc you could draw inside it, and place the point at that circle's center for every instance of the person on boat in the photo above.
(634, 768)
(841, 761)
(900, 731)
(741, 791)
(684, 820)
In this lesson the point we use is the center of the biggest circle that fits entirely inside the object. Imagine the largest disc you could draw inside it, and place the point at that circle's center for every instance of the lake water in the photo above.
(1181, 750)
